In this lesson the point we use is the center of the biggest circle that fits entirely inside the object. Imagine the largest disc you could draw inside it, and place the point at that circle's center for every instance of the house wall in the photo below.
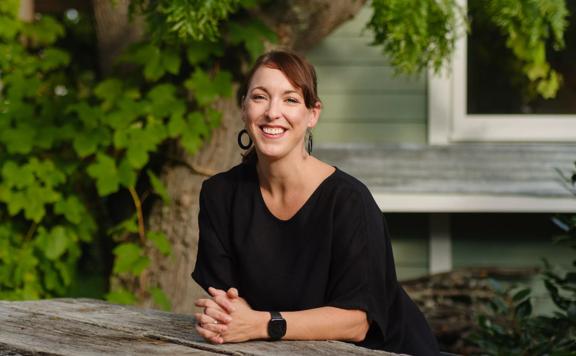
(363, 100)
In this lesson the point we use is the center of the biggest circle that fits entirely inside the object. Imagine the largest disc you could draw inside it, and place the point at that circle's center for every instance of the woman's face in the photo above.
(275, 114)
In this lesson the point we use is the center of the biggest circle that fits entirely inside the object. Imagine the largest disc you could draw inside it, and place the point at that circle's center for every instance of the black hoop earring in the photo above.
(240, 143)
(309, 143)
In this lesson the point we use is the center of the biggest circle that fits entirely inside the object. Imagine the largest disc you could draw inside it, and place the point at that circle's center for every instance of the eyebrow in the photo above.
(284, 93)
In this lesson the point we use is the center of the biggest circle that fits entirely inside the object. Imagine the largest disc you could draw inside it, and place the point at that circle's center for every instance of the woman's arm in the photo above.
(238, 322)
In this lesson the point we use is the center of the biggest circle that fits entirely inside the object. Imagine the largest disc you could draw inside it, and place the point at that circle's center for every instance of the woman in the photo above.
(291, 247)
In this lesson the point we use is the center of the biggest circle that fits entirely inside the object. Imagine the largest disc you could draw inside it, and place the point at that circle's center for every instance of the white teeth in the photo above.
(273, 130)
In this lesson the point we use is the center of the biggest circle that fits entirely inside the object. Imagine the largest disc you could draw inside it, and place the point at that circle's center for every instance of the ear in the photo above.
(315, 114)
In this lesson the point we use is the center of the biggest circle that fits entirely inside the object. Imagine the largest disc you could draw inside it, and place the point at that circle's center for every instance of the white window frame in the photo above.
(449, 121)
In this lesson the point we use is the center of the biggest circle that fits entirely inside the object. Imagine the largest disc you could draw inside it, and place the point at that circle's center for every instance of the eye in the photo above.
(258, 97)
(293, 100)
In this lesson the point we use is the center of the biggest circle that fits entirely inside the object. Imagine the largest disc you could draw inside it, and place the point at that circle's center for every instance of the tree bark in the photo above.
(115, 30)
(300, 25)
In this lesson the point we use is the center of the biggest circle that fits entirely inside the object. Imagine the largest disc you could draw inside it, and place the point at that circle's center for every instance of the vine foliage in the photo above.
(71, 139)
(416, 34)
(512, 328)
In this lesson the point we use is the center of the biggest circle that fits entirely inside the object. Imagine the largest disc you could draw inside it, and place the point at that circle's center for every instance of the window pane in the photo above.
(494, 82)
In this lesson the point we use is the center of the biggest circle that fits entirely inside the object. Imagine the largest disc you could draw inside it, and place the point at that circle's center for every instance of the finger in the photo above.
(224, 303)
(218, 315)
(210, 323)
(232, 293)
(207, 303)
(214, 292)
(208, 335)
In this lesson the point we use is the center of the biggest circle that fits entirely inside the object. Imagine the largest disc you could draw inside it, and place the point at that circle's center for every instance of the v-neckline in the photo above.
(307, 202)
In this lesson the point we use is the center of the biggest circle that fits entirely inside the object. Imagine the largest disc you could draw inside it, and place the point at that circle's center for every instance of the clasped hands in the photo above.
(227, 317)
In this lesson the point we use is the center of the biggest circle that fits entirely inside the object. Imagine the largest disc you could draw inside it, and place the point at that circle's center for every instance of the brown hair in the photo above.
(299, 72)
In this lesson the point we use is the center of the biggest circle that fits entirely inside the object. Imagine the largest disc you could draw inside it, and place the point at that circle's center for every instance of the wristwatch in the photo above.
(276, 326)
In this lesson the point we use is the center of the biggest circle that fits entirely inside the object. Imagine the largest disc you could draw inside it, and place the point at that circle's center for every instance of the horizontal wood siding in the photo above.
(409, 235)
(506, 240)
(510, 241)
(364, 100)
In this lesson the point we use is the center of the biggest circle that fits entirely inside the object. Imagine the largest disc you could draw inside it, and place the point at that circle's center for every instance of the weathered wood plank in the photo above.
(32, 332)
(527, 170)
(133, 325)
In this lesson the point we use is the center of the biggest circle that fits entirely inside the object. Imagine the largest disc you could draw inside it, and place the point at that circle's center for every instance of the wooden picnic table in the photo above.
(94, 327)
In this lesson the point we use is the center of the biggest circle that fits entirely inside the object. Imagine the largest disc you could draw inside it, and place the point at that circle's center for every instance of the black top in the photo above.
(335, 251)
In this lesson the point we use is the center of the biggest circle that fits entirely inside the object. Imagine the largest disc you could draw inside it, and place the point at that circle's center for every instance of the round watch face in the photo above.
(276, 328)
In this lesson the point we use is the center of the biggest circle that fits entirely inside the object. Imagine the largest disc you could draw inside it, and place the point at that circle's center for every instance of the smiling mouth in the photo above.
(272, 131)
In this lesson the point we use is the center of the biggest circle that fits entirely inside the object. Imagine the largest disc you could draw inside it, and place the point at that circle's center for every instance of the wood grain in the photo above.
(91, 327)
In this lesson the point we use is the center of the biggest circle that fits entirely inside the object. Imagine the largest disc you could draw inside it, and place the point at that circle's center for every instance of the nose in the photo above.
(274, 109)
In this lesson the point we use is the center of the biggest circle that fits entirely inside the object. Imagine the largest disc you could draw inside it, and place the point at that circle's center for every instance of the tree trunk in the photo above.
(114, 30)
(300, 24)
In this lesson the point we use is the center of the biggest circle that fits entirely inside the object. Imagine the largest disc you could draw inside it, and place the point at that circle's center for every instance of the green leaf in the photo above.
(51, 278)
(89, 115)
(106, 175)
(109, 90)
(46, 172)
(86, 142)
(160, 241)
(19, 85)
(126, 174)
(15, 176)
(121, 296)
(523, 310)
(214, 117)
(71, 208)
(158, 187)
(200, 51)
(129, 225)
(53, 58)
(140, 265)
(521, 294)
(10, 7)
(54, 243)
(207, 89)
(137, 156)
(44, 31)
(140, 141)
(171, 61)
(252, 34)
(19, 139)
(66, 270)
(161, 299)
(163, 101)
(153, 68)
(16, 201)
(191, 138)
(9, 28)
(128, 255)
(176, 125)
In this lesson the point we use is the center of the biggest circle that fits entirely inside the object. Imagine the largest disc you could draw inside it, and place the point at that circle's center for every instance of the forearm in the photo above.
(325, 323)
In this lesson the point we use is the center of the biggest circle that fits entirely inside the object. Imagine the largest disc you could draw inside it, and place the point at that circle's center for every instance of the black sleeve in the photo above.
(214, 262)
(348, 285)
(363, 276)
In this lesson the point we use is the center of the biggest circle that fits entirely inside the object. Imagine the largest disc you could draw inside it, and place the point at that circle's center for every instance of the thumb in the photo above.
(232, 293)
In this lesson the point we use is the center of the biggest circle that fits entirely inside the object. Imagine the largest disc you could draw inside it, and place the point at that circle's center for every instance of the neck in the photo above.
(283, 174)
